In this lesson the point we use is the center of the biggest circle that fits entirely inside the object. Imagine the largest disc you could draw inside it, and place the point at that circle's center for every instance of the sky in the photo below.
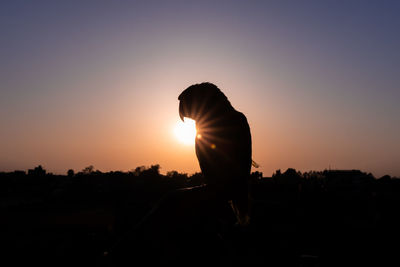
(96, 82)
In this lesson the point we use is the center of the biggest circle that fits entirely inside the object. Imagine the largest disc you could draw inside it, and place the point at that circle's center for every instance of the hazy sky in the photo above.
(96, 82)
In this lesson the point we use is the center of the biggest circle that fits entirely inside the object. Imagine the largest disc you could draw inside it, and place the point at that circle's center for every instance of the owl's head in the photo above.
(200, 101)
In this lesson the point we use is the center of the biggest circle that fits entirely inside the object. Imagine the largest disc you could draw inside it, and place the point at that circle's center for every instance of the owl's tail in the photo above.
(255, 164)
(241, 205)
(241, 211)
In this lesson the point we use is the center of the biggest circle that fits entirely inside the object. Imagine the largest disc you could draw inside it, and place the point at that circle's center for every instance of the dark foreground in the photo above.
(327, 218)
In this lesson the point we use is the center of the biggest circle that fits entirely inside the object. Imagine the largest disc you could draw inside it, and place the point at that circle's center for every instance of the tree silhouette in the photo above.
(70, 173)
(87, 170)
(324, 218)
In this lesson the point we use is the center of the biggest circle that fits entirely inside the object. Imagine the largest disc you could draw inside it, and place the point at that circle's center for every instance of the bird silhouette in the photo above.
(223, 144)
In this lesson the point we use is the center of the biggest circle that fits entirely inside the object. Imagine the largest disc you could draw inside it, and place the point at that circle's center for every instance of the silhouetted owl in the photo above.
(223, 143)
(189, 220)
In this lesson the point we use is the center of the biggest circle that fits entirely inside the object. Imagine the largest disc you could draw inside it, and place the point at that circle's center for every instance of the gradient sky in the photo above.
(96, 82)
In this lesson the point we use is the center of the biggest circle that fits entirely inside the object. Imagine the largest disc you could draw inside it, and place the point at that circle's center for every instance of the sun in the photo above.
(185, 131)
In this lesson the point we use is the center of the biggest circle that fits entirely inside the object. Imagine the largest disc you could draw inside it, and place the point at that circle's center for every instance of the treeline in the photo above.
(316, 216)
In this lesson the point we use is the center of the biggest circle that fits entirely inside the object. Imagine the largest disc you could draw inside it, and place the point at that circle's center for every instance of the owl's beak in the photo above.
(181, 111)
